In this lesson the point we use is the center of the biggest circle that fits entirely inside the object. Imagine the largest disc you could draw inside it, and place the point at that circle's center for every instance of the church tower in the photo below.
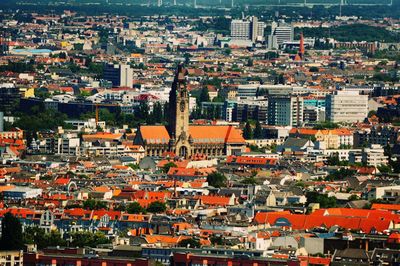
(179, 115)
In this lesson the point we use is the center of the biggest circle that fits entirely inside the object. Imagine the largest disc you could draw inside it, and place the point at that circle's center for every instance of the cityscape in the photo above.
(199, 132)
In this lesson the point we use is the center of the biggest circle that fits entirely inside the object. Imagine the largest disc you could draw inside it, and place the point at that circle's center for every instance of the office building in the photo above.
(280, 33)
(119, 75)
(245, 91)
(285, 111)
(346, 106)
(247, 29)
(9, 98)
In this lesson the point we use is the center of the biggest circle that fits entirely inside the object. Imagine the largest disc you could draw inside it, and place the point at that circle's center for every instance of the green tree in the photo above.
(135, 208)
(11, 233)
(247, 132)
(38, 236)
(92, 204)
(353, 197)
(323, 200)
(157, 207)
(88, 239)
(257, 134)
(216, 179)
(249, 181)
(204, 96)
(190, 242)
(167, 166)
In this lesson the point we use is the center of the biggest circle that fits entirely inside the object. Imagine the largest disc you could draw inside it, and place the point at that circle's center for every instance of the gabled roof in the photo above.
(215, 200)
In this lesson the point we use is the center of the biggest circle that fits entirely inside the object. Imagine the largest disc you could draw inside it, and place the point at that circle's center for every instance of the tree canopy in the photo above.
(216, 179)
(11, 233)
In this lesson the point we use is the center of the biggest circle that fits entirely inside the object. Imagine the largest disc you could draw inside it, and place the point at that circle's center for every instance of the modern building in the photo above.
(249, 90)
(119, 75)
(373, 156)
(247, 29)
(285, 111)
(9, 98)
(280, 33)
(69, 144)
(250, 110)
(346, 106)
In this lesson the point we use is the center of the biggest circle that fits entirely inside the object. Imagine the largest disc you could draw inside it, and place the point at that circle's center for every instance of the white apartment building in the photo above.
(375, 155)
(68, 144)
(346, 106)
(247, 29)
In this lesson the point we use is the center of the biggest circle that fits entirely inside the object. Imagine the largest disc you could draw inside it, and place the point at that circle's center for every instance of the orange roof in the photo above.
(355, 219)
(215, 200)
(390, 207)
(216, 134)
(164, 239)
(154, 134)
(200, 134)
(251, 160)
(102, 135)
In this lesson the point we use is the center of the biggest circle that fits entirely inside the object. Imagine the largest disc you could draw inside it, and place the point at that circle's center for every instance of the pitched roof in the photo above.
(155, 134)
(216, 134)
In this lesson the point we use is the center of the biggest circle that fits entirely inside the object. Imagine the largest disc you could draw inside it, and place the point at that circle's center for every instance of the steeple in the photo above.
(179, 113)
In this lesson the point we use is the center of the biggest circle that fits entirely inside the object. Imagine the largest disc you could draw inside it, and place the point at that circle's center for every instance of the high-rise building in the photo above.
(280, 33)
(247, 29)
(119, 75)
(1, 121)
(346, 106)
(285, 111)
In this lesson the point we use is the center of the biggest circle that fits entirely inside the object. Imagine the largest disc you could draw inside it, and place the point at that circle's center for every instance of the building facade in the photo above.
(346, 106)
(285, 111)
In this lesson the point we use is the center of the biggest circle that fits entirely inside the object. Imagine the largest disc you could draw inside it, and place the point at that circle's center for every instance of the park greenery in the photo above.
(352, 32)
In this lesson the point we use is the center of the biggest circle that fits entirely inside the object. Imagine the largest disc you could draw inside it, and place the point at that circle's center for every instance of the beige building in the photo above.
(347, 107)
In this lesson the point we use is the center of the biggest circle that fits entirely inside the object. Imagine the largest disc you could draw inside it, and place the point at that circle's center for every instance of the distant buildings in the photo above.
(346, 106)
(247, 29)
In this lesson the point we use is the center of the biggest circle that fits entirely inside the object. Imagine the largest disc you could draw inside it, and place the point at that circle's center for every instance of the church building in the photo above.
(186, 140)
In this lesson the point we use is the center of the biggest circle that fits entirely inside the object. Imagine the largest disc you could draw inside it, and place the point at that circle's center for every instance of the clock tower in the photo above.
(180, 142)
